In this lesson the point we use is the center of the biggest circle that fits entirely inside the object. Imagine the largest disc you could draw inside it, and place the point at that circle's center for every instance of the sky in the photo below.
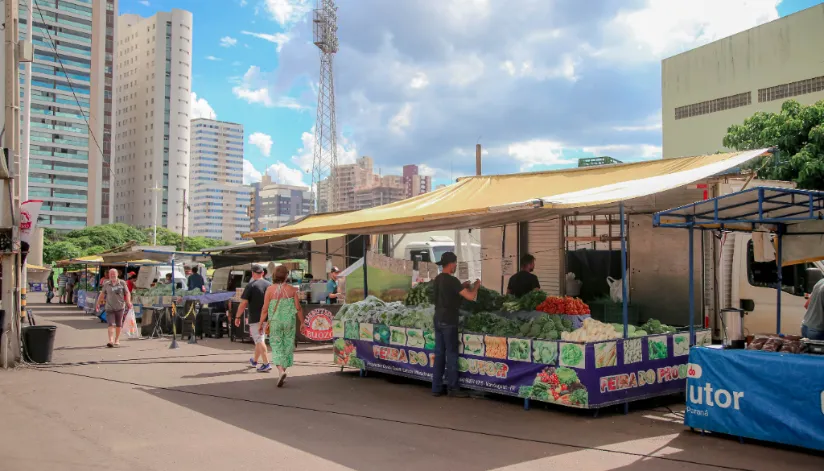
(421, 82)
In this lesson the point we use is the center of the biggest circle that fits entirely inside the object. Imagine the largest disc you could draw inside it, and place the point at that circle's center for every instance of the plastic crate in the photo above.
(612, 313)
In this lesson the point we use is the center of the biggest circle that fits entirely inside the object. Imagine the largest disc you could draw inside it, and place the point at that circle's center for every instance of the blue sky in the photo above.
(422, 81)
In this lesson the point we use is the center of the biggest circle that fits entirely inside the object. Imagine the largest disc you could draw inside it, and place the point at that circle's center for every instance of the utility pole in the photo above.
(10, 348)
(477, 159)
(183, 226)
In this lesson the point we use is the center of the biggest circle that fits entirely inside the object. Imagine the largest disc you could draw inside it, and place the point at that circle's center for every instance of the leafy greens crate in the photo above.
(613, 313)
(581, 375)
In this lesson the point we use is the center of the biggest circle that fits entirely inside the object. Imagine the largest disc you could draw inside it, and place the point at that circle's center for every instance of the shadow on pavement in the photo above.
(373, 424)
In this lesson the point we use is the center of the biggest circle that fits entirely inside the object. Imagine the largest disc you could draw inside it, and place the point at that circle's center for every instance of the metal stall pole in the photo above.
(624, 289)
(365, 268)
(779, 269)
(692, 285)
(173, 312)
(503, 255)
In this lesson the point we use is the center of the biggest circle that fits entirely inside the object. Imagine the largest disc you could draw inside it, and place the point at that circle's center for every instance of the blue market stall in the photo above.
(775, 396)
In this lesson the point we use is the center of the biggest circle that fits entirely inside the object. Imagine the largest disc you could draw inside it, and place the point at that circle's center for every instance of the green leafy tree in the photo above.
(62, 250)
(797, 131)
(107, 235)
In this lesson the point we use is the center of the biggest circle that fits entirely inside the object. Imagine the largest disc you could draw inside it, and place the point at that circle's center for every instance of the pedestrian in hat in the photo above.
(449, 294)
(332, 287)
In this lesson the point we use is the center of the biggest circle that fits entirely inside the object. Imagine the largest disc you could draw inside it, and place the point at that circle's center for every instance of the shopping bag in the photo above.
(130, 325)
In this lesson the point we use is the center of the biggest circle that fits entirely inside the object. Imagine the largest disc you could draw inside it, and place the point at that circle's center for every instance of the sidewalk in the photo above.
(145, 407)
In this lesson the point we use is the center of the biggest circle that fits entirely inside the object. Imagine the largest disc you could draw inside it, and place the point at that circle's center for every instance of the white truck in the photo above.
(430, 246)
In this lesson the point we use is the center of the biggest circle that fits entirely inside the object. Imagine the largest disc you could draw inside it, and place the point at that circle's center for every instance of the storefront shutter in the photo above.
(544, 242)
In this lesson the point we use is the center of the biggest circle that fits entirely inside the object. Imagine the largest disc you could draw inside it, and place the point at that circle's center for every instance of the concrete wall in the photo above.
(781, 52)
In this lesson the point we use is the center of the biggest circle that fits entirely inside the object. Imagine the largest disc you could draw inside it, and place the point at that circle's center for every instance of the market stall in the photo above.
(771, 391)
(608, 364)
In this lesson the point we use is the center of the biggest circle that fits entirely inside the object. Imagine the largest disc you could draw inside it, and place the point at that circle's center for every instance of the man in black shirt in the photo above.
(195, 281)
(253, 296)
(524, 281)
(449, 293)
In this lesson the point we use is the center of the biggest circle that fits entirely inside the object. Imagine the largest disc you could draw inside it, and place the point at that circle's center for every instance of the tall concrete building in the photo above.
(415, 184)
(219, 199)
(153, 90)
(70, 112)
(273, 205)
(710, 88)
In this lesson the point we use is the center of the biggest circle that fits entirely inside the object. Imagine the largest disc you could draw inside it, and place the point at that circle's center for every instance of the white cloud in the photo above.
(254, 88)
(402, 119)
(287, 12)
(262, 141)
(278, 38)
(201, 108)
(564, 69)
(285, 175)
(420, 80)
(538, 152)
(250, 173)
(666, 27)
(347, 153)
(243, 3)
(145, 3)
(213, 58)
(228, 41)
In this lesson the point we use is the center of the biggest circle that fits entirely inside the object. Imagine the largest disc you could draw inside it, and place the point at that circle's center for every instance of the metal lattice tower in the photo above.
(325, 161)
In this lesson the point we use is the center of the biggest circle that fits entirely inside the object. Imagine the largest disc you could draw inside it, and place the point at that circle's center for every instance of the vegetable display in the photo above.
(655, 327)
(420, 294)
(414, 338)
(492, 324)
(165, 290)
(495, 347)
(486, 300)
(527, 302)
(680, 345)
(591, 331)
(563, 305)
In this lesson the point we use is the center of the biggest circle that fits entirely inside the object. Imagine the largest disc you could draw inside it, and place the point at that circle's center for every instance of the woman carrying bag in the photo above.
(280, 307)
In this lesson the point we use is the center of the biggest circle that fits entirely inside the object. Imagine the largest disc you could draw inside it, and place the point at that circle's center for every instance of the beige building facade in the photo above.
(710, 88)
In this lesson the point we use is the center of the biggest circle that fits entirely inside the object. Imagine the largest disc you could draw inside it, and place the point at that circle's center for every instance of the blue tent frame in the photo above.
(746, 210)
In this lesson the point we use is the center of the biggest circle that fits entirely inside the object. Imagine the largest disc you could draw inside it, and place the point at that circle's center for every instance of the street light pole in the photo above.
(156, 189)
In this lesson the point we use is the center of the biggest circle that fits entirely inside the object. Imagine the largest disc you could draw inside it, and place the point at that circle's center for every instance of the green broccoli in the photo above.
(566, 376)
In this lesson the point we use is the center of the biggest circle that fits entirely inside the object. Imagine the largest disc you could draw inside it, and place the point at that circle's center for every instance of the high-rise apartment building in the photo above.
(70, 112)
(153, 90)
(708, 89)
(219, 199)
(415, 184)
(274, 205)
(359, 187)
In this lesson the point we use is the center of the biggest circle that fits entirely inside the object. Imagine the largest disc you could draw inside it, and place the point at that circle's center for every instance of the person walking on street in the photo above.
(449, 294)
(117, 299)
(50, 287)
(61, 285)
(253, 296)
(70, 282)
(281, 306)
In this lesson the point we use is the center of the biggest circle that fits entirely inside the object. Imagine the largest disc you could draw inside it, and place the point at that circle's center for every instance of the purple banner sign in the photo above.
(583, 375)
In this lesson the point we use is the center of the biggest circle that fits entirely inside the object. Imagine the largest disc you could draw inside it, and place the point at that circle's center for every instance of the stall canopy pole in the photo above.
(779, 270)
(365, 268)
(692, 285)
(625, 301)
(503, 256)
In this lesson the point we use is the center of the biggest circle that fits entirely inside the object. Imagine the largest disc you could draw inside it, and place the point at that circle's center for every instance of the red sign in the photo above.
(318, 323)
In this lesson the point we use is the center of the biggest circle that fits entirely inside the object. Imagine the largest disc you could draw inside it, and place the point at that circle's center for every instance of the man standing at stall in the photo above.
(253, 296)
(196, 281)
(332, 287)
(62, 279)
(449, 294)
(524, 281)
(812, 325)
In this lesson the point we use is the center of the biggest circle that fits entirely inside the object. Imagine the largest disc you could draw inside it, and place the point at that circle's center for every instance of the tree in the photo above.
(63, 250)
(797, 132)
(193, 244)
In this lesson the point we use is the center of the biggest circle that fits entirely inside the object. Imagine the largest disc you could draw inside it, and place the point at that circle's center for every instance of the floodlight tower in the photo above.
(325, 160)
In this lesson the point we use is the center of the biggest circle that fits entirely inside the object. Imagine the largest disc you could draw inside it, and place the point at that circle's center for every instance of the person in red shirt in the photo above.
(130, 281)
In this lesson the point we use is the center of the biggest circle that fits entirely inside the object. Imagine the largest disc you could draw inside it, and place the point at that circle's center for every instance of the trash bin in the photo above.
(38, 341)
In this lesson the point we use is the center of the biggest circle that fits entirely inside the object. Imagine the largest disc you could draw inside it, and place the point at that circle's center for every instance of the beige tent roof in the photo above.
(489, 201)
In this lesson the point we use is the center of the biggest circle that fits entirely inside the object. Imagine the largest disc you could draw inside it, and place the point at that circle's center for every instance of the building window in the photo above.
(712, 106)
(802, 87)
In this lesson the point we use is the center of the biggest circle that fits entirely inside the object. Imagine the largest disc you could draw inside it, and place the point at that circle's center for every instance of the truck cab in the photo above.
(429, 251)
(744, 278)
